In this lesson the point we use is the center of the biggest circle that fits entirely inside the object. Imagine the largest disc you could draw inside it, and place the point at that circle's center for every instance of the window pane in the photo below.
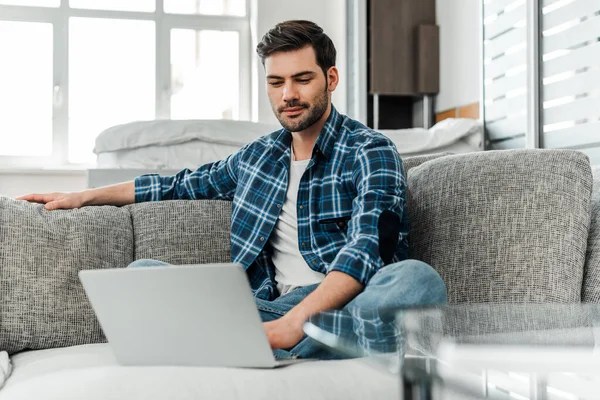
(204, 74)
(32, 3)
(112, 78)
(116, 5)
(26, 95)
(207, 7)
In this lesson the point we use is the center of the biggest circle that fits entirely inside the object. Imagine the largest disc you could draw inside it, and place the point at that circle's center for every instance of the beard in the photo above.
(313, 114)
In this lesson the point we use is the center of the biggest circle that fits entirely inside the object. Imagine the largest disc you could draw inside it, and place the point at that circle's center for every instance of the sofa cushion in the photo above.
(42, 303)
(92, 373)
(503, 226)
(591, 279)
(183, 231)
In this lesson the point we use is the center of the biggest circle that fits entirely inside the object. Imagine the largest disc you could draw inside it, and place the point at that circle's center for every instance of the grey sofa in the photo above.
(502, 226)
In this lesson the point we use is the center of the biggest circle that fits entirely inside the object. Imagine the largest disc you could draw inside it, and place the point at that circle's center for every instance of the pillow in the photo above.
(163, 132)
(43, 304)
(183, 231)
(442, 134)
(503, 226)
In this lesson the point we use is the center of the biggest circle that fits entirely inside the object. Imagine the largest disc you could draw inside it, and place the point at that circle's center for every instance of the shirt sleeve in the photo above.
(380, 182)
(212, 181)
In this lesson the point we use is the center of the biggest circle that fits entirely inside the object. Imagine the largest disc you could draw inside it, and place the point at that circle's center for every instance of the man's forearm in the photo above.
(336, 290)
(116, 195)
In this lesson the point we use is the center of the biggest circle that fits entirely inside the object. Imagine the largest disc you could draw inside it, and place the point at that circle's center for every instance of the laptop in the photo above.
(185, 315)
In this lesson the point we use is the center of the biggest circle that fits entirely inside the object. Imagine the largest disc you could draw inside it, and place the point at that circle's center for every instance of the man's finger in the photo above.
(28, 197)
(53, 205)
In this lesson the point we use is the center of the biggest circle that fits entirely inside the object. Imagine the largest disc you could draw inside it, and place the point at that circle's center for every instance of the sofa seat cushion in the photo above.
(91, 372)
(591, 279)
(42, 302)
(503, 226)
(183, 231)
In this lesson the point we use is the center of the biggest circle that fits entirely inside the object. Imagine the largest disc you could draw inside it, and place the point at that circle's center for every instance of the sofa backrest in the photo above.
(42, 302)
(182, 231)
(503, 226)
(591, 279)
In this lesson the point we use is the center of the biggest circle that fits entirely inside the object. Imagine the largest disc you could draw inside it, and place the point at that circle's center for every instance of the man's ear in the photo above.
(333, 78)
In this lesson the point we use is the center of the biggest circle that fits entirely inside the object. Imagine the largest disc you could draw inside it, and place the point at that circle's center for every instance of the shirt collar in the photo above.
(325, 142)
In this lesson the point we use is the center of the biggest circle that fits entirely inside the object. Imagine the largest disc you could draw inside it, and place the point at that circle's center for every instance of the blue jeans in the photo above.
(408, 283)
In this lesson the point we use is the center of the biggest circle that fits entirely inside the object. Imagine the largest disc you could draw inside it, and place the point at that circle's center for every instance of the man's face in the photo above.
(297, 88)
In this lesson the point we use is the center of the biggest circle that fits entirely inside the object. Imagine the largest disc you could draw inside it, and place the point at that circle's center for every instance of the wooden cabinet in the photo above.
(403, 59)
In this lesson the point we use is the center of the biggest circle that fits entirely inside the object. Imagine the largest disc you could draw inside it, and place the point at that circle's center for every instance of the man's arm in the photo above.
(216, 180)
(336, 290)
(381, 186)
(116, 195)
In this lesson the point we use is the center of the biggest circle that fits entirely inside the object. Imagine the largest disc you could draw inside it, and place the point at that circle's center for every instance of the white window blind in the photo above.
(505, 73)
(571, 75)
(567, 45)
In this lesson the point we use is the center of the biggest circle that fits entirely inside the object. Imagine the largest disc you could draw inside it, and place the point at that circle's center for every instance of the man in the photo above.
(318, 207)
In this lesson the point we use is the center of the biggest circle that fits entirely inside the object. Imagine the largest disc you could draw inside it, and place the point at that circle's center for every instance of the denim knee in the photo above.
(147, 263)
(412, 279)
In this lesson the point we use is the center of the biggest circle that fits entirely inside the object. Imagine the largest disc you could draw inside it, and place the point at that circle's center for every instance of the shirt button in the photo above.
(301, 207)
(341, 224)
(278, 205)
(303, 244)
(262, 238)
(314, 262)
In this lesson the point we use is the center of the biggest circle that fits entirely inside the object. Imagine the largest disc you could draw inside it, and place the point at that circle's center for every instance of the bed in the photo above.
(167, 146)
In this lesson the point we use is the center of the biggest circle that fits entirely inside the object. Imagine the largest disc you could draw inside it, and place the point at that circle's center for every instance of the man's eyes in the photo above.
(279, 83)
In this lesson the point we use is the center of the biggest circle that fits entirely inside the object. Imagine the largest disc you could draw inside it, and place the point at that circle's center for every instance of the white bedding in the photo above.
(189, 144)
(90, 372)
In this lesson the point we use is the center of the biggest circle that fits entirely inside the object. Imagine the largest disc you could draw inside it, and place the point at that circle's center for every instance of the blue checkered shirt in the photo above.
(354, 175)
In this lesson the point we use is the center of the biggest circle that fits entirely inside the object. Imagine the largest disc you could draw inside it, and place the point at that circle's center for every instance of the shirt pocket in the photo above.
(335, 224)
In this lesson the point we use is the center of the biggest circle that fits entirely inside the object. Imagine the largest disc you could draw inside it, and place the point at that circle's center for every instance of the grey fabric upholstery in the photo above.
(183, 231)
(414, 161)
(43, 304)
(591, 280)
(503, 226)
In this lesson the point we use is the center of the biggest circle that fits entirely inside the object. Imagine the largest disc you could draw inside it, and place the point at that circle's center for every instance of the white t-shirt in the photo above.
(291, 271)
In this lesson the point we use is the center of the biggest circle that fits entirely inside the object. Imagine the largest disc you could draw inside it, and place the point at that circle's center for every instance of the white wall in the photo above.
(13, 184)
(329, 14)
(460, 74)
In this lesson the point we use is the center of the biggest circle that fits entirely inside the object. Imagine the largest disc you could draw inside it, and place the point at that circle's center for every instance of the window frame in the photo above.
(59, 18)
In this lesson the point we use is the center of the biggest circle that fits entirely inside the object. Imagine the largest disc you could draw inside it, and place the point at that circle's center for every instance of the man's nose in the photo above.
(289, 92)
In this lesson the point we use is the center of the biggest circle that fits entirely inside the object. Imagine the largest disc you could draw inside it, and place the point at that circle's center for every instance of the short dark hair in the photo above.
(297, 34)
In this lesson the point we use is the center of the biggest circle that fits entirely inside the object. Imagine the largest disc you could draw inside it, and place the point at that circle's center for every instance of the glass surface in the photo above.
(205, 74)
(26, 95)
(206, 7)
(477, 350)
(31, 3)
(112, 79)
(116, 5)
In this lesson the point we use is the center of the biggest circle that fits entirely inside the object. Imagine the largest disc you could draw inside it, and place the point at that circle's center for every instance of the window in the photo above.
(26, 82)
(71, 69)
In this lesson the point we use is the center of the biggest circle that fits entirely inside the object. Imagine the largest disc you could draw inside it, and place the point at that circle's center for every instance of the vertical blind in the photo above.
(569, 71)
(571, 75)
(505, 73)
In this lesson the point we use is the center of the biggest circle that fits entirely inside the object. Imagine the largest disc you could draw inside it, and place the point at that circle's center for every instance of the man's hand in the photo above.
(55, 201)
(284, 332)
(114, 195)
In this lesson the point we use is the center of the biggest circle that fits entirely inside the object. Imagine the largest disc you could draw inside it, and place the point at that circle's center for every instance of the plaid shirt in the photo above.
(354, 175)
